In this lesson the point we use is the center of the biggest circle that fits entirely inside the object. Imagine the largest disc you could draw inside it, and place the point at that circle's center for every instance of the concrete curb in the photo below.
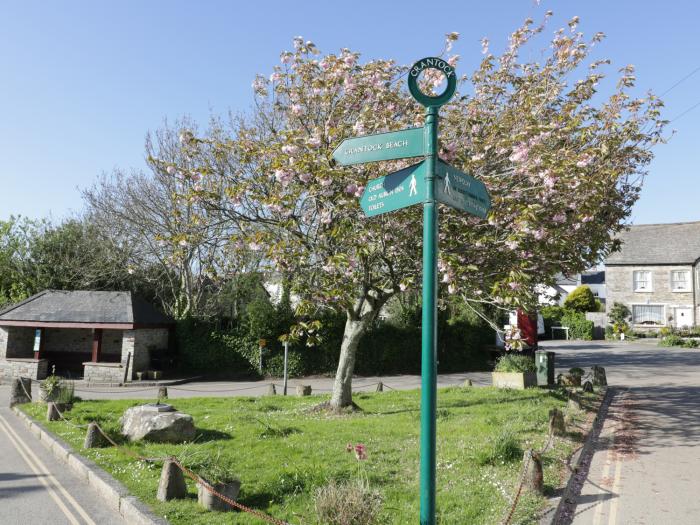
(112, 492)
(578, 461)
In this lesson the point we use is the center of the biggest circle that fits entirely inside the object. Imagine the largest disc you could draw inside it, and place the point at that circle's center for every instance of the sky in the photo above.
(82, 82)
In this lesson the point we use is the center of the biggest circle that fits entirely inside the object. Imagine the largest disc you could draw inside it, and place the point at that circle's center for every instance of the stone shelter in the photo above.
(656, 274)
(100, 336)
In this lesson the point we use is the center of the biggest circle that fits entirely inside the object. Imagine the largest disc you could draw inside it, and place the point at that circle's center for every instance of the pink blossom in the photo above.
(519, 153)
(540, 234)
(305, 177)
(484, 45)
(351, 189)
(403, 287)
(559, 217)
(514, 285)
(275, 77)
(298, 42)
(360, 452)
(296, 109)
(283, 177)
(314, 141)
(326, 182)
(451, 288)
(349, 60)
(584, 161)
(289, 149)
(170, 170)
(512, 244)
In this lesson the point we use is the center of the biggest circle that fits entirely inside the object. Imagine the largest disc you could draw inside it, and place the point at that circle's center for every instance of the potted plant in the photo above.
(514, 371)
(218, 474)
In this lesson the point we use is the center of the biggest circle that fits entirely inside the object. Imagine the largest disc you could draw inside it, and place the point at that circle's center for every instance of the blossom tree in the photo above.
(562, 173)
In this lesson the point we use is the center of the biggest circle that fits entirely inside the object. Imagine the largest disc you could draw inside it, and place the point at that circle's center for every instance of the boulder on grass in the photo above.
(157, 422)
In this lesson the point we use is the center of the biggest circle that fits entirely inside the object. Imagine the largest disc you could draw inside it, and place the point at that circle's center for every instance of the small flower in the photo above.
(349, 448)
(559, 217)
(326, 182)
(170, 170)
(305, 177)
(360, 452)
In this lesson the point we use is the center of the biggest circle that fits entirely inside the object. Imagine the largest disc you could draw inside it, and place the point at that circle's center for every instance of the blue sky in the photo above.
(81, 82)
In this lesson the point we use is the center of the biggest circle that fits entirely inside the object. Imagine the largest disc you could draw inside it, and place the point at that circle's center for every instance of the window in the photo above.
(649, 314)
(642, 281)
(680, 280)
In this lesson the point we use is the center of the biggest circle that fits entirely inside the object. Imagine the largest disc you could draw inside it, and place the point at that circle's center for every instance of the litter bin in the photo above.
(544, 361)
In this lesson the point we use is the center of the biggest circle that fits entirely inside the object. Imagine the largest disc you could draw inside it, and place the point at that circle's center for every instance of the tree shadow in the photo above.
(205, 435)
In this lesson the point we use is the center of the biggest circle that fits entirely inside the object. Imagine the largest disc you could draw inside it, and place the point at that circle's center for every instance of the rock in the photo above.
(163, 392)
(533, 479)
(52, 412)
(271, 390)
(211, 502)
(303, 390)
(93, 437)
(156, 423)
(574, 402)
(172, 482)
(599, 378)
(21, 391)
(588, 387)
(467, 383)
(556, 422)
(380, 387)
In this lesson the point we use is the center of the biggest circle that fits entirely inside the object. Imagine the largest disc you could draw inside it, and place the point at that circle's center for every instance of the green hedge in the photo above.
(579, 326)
(385, 349)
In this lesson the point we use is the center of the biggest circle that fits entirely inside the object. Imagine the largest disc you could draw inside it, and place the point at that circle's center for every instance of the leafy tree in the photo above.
(581, 300)
(562, 169)
(619, 313)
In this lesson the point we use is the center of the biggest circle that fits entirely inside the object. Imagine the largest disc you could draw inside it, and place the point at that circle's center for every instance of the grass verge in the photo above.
(282, 452)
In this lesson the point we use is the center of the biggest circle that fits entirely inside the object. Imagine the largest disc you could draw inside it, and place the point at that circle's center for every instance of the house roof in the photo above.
(593, 277)
(54, 308)
(675, 243)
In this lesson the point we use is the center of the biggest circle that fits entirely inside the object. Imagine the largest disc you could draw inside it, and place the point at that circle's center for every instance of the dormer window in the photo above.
(642, 281)
(680, 280)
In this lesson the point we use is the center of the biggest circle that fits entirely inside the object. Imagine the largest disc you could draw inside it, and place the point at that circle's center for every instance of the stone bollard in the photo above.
(556, 422)
(380, 387)
(271, 390)
(588, 387)
(52, 412)
(17, 392)
(574, 402)
(163, 392)
(467, 383)
(599, 378)
(172, 482)
(533, 480)
(303, 390)
(93, 437)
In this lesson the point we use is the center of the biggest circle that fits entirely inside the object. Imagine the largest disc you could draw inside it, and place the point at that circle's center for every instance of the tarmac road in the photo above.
(646, 464)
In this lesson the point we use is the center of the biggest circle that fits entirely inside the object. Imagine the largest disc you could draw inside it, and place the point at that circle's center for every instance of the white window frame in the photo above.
(635, 280)
(688, 284)
(664, 317)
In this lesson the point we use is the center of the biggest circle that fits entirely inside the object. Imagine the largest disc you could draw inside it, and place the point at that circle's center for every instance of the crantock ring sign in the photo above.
(440, 65)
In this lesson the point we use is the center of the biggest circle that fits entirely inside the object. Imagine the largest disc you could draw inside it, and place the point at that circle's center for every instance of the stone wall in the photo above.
(18, 342)
(10, 368)
(600, 319)
(140, 343)
(103, 373)
(620, 288)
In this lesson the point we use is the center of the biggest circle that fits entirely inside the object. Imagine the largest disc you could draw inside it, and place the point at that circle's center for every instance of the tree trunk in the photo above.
(355, 328)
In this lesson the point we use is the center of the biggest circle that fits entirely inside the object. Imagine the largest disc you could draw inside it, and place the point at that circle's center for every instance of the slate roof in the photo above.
(675, 243)
(593, 277)
(86, 307)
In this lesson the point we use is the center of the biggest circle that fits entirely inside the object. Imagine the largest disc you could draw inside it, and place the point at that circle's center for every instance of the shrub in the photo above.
(671, 340)
(505, 448)
(691, 343)
(579, 326)
(581, 300)
(619, 313)
(515, 363)
(576, 371)
(551, 315)
(665, 331)
(349, 503)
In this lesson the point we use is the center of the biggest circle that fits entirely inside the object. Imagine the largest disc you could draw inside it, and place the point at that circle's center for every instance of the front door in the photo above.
(684, 317)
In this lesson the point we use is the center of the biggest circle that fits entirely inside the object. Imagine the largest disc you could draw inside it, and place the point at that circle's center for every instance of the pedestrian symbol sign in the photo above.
(397, 190)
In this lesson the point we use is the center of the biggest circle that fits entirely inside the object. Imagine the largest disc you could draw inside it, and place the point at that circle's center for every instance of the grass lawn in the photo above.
(282, 452)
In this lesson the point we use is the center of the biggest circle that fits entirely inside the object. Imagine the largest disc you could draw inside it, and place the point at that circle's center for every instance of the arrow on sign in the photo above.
(461, 191)
(384, 146)
(397, 190)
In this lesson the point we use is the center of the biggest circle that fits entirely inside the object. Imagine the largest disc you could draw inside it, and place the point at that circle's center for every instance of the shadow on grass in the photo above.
(205, 435)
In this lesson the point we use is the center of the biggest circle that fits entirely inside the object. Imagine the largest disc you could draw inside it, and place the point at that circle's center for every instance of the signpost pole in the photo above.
(286, 352)
(429, 331)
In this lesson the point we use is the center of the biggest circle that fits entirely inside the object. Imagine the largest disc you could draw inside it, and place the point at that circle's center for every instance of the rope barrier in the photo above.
(195, 477)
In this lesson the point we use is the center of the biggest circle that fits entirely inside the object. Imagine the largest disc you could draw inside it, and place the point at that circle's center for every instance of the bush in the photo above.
(671, 340)
(551, 316)
(691, 343)
(579, 326)
(619, 313)
(581, 300)
(515, 363)
(350, 503)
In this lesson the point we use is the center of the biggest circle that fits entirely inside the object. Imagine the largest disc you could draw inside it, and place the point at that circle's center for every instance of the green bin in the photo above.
(544, 361)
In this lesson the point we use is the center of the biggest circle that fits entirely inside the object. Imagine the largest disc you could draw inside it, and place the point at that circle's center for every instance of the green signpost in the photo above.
(430, 181)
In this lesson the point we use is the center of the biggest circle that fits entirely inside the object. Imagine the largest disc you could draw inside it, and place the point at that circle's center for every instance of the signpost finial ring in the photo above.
(432, 63)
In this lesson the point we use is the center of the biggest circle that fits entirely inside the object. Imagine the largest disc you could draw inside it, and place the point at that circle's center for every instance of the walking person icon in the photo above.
(447, 184)
(412, 189)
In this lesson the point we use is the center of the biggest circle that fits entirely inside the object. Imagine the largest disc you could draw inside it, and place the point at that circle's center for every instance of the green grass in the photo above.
(282, 452)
